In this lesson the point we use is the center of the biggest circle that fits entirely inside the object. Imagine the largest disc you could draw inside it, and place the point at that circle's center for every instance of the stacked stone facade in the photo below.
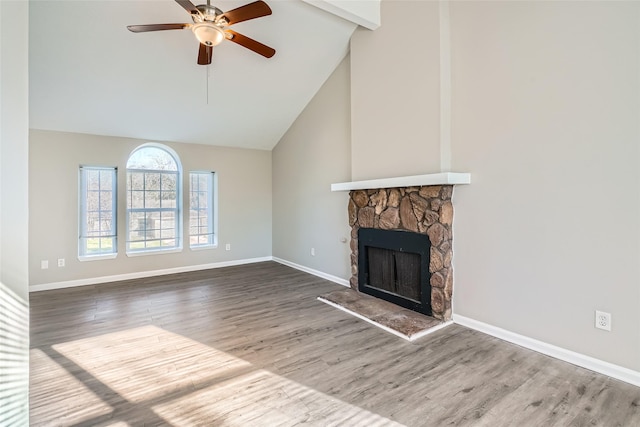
(426, 210)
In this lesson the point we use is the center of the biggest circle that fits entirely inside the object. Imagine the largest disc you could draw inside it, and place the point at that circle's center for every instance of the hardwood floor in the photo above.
(251, 346)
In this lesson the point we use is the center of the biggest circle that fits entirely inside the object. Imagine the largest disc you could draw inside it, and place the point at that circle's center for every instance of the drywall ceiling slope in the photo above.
(89, 74)
(363, 12)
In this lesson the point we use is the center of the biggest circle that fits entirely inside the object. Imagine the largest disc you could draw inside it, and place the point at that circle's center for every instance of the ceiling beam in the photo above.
(362, 12)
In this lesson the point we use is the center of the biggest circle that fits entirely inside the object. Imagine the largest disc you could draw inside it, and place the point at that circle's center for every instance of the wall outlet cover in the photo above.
(603, 320)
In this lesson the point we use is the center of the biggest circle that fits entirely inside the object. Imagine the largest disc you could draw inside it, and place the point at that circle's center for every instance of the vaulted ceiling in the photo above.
(89, 74)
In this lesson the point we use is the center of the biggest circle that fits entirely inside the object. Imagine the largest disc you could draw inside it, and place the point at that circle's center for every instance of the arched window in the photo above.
(154, 208)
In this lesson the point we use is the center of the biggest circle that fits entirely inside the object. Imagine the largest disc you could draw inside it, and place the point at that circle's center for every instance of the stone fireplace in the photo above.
(426, 210)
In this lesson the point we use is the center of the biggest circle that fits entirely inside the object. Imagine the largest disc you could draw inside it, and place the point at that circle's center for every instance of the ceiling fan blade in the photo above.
(253, 10)
(156, 27)
(188, 6)
(205, 53)
(251, 44)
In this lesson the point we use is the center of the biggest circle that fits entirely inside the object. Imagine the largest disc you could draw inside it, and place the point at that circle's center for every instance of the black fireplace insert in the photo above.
(394, 265)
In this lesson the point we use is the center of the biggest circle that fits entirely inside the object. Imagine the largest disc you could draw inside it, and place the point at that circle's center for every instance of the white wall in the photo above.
(14, 137)
(244, 205)
(313, 154)
(14, 214)
(395, 93)
(546, 102)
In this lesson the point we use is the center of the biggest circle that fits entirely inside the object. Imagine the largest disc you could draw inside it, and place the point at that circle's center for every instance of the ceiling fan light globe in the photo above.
(208, 34)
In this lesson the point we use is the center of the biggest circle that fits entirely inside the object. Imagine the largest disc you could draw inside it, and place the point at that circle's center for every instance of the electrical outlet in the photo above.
(44, 264)
(603, 320)
(228, 247)
(313, 251)
(60, 262)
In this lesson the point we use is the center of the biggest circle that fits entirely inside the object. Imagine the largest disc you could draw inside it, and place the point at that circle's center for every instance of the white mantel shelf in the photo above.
(444, 178)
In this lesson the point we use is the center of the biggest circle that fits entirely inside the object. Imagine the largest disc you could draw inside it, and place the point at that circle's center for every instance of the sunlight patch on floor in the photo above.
(261, 398)
(145, 363)
(52, 384)
(185, 382)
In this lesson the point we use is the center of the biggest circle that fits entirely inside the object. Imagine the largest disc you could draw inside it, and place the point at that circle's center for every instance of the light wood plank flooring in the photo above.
(251, 346)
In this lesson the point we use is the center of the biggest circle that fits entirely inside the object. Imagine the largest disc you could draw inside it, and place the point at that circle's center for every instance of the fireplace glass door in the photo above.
(395, 272)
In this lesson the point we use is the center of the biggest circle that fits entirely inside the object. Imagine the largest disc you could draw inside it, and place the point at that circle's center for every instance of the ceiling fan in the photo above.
(210, 26)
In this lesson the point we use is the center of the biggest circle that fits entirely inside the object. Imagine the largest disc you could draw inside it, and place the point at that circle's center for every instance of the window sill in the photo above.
(203, 247)
(154, 252)
(96, 257)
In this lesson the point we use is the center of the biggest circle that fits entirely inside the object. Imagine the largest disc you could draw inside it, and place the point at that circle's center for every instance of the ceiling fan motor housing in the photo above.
(207, 13)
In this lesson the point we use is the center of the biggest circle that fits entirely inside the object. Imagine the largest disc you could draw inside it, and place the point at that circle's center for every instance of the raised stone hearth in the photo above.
(397, 320)
(420, 209)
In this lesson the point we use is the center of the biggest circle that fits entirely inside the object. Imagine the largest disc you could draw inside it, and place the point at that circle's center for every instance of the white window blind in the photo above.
(14, 359)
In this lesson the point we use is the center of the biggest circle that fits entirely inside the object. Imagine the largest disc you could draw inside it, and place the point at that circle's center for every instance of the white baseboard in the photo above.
(141, 274)
(332, 278)
(614, 371)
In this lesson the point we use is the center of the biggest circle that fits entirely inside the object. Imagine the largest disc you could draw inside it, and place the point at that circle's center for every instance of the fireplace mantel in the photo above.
(443, 178)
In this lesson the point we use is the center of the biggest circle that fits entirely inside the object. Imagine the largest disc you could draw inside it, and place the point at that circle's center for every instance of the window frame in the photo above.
(212, 210)
(178, 209)
(83, 254)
